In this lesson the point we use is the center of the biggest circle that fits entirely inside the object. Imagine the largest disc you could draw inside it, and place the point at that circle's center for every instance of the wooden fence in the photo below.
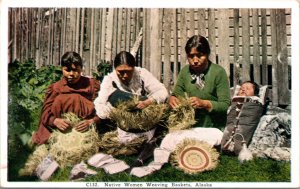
(249, 43)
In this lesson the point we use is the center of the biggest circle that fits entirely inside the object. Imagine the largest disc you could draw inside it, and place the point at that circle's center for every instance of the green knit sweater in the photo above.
(216, 90)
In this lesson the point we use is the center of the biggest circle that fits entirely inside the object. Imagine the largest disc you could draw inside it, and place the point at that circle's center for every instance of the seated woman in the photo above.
(73, 93)
(122, 84)
(243, 117)
(205, 83)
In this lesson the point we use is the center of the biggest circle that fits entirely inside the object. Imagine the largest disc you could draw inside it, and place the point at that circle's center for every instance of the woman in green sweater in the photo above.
(205, 83)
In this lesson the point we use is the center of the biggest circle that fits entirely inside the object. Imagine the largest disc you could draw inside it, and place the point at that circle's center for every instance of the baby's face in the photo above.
(247, 89)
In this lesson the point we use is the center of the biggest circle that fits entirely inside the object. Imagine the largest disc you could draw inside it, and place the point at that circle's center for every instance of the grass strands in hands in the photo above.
(110, 144)
(182, 116)
(127, 117)
(194, 156)
(72, 147)
(34, 160)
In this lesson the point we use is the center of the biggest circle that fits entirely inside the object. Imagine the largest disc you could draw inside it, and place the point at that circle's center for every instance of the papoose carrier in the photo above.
(242, 119)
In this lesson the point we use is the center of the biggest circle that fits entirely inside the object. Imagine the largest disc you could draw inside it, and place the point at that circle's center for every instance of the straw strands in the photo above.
(110, 144)
(127, 117)
(34, 160)
(194, 156)
(182, 116)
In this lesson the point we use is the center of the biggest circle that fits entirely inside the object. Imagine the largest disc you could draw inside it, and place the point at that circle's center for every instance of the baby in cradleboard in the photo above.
(243, 116)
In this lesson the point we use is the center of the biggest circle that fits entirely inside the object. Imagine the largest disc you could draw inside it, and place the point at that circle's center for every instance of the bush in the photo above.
(26, 90)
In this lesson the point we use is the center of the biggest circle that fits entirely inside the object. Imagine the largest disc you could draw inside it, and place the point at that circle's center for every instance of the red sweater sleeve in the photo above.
(47, 117)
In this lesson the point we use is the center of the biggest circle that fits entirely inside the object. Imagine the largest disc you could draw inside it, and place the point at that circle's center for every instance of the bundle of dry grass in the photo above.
(110, 144)
(127, 117)
(194, 156)
(34, 160)
(72, 147)
(67, 148)
(182, 116)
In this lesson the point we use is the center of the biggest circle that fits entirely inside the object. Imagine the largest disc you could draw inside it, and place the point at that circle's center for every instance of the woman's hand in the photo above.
(173, 101)
(84, 125)
(61, 124)
(144, 104)
(199, 103)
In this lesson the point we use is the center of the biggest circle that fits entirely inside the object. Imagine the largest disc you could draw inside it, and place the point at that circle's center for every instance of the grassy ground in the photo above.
(228, 170)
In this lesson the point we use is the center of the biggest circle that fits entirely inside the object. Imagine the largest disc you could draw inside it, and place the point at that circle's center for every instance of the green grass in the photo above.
(228, 170)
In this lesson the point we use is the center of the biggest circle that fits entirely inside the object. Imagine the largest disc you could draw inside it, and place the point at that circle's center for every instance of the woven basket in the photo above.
(194, 156)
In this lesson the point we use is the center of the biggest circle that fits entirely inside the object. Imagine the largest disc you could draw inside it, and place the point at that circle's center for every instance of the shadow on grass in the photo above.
(16, 162)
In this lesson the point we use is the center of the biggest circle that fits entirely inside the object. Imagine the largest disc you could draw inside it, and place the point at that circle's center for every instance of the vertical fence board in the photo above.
(134, 31)
(37, 44)
(87, 42)
(82, 31)
(29, 32)
(109, 33)
(56, 37)
(92, 44)
(167, 53)
(50, 36)
(123, 44)
(175, 39)
(100, 22)
(282, 62)
(127, 38)
(103, 32)
(63, 33)
(15, 31)
(223, 35)
(145, 35)
(43, 39)
(274, 57)
(264, 46)
(192, 23)
(155, 55)
(236, 44)
(115, 33)
(77, 29)
(246, 45)
(183, 37)
(212, 34)
(256, 51)
(21, 39)
(119, 29)
(201, 22)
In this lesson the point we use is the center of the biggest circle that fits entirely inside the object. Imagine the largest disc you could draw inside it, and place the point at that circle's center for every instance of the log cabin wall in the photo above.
(251, 44)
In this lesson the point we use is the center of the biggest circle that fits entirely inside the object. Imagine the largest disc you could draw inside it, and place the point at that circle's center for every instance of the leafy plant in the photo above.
(26, 89)
(103, 68)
